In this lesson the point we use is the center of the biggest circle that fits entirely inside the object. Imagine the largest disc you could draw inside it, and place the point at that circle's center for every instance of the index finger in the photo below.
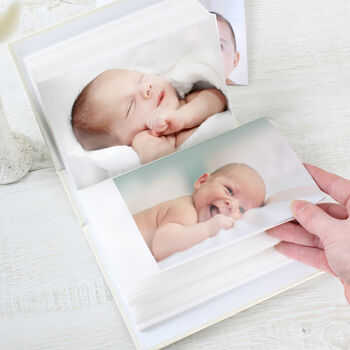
(336, 186)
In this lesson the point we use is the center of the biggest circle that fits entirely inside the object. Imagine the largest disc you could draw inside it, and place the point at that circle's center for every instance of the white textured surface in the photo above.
(52, 294)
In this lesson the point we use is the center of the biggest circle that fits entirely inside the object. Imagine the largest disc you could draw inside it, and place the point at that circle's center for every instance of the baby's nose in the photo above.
(146, 91)
(230, 205)
(232, 208)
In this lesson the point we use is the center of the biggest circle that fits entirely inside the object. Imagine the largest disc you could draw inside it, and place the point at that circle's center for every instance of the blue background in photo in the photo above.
(188, 164)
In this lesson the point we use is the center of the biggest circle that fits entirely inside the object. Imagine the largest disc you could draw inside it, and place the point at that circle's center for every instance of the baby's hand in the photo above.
(150, 147)
(218, 222)
(165, 121)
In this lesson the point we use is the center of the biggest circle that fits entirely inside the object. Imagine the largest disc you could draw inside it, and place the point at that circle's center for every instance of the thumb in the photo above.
(313, 218)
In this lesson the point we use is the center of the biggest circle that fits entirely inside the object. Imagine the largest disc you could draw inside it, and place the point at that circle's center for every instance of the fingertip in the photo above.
(284, 247)
(272, 231)
(297, 205)
(279, 247)
(232, 221)
(309, 166)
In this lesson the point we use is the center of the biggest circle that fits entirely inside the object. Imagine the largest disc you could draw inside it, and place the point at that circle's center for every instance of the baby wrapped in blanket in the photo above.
(131, 108)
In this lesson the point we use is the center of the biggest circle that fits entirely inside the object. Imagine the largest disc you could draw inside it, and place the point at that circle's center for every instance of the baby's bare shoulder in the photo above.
(191, 95)
(180, 210)
(204, 93)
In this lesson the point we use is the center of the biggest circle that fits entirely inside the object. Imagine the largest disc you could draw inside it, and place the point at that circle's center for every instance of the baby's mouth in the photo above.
(161, 97)
(214, 210)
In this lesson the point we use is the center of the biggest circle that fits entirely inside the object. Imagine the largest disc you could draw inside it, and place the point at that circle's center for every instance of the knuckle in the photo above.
(319, 260)
(316, 242)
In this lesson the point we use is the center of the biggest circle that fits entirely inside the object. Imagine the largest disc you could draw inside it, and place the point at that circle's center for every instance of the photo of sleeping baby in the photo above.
(223, 190)
(130, 108)
(125, 106)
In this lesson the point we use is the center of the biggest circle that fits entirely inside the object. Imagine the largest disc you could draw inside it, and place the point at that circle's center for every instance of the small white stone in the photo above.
(16, 152)
(16, 158)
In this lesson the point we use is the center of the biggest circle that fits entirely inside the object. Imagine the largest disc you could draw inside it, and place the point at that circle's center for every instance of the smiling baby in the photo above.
(218, 200)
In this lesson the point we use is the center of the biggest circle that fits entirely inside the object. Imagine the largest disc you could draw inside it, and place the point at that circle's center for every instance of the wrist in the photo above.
(208, 228)
(178, 119)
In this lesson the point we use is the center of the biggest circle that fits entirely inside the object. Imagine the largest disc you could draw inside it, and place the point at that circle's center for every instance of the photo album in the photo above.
(230, 17)
(174, 197)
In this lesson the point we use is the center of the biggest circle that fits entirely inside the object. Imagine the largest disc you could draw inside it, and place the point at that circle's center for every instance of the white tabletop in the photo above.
(52, 293)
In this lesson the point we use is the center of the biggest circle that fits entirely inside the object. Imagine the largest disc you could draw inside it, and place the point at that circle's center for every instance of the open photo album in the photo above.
(230, 17)
(173, 197)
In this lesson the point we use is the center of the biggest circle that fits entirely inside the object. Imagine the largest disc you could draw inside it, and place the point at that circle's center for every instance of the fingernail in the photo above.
(297, 205)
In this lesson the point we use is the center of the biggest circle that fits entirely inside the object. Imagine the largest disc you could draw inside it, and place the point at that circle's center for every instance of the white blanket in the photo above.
(183, 57)
(199, 68)
(253, 222)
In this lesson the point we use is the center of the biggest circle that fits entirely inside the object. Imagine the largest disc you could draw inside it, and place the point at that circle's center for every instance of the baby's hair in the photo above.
(228, 167)
(223, 19)
(232, 166)
(79, 108)
(85, 128)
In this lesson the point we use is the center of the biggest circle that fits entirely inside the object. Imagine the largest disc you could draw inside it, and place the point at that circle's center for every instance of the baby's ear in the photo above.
(236, 59)
(201, 180)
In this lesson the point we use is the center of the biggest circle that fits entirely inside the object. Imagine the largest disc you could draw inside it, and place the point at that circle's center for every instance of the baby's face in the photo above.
(231, 193)
(124, 100)
(230, 56)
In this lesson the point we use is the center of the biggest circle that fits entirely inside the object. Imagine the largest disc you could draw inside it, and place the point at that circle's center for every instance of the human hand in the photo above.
(150, 147)
(218, 222)
(165, 121)
(321, 235)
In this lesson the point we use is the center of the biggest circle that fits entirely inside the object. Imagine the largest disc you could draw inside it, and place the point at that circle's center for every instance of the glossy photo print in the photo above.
(232, 31)
(134, 98)
(230, 17)
(222, 190)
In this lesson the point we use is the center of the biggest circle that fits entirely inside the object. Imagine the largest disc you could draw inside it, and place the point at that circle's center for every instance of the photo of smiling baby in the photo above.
(131, 108)
(227, 189)
(218, 200)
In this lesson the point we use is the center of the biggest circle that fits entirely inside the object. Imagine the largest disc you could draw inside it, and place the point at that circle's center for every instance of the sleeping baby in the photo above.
(122, 107)
(218, 200)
